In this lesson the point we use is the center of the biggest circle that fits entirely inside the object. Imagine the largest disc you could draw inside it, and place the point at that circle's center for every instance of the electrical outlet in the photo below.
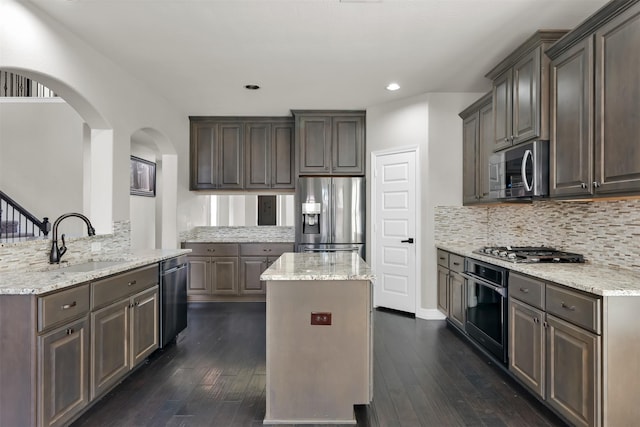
(321, 318)
(96, 247)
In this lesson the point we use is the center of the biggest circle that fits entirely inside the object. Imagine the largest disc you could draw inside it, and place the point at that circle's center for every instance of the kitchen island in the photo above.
(319, 338)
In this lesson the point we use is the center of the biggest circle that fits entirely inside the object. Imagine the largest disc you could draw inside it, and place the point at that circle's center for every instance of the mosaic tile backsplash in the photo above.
(605, 232)
(34, 254)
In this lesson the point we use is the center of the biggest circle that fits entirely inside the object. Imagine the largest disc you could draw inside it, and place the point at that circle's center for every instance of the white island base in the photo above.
(315, 374)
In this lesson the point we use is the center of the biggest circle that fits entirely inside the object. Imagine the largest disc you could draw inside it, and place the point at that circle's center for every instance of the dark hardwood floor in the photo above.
(424, 375)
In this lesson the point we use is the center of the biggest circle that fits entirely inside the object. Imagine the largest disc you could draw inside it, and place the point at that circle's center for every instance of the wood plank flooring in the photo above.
(424, 375)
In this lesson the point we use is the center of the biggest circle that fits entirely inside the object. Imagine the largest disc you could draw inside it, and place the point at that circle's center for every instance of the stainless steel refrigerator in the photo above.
(330, 214)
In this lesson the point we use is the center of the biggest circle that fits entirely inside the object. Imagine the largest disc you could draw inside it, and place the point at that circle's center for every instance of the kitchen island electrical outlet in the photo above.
(321, 318)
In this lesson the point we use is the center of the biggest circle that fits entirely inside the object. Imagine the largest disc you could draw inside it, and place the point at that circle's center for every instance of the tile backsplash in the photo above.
(605, 232)
(34, 254)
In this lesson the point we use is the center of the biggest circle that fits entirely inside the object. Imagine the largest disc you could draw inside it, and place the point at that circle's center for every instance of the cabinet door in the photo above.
(63, 373)
(144, 325)
(203, 156)
(571, 144)
(230, 144)
(109, 346)
(573, 372)
(224, 275)
(526, 98)
(485, 147)
(199, 275)
(347, 145)
(257, 146)
(617, 157)
(470, 129)
(282, 156)
(457, 300)
(527, 345)
(314, 133)
(443, 290)
(250, 270)
(502, 110)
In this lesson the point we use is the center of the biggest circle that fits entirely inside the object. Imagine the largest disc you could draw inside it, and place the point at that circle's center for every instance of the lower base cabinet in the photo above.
(63, 372)
(556, 359)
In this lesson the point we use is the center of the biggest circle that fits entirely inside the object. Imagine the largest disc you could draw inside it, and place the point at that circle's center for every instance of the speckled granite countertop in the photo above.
(257, 234)
(595, 279)
(319, 266)
(40, 282)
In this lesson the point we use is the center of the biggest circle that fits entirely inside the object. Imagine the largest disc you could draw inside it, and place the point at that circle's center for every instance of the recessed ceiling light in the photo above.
(393, 86)
(252, 87)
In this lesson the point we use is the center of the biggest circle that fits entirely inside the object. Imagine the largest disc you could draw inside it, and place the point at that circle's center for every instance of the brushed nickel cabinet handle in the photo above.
(68, 306)
(69, 331)
(524, 290)
(133, 282)
(568, 307)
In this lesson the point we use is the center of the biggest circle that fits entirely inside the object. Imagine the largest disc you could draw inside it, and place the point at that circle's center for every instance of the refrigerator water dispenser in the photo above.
(311, 218)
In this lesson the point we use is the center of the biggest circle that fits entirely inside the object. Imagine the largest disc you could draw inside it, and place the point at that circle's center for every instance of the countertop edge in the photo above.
(587, 277)
(42, 282)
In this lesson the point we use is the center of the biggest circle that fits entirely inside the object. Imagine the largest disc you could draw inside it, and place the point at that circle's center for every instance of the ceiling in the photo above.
(308, 54)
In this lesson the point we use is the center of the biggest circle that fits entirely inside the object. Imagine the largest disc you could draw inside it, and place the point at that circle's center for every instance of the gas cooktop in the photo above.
(529, 254)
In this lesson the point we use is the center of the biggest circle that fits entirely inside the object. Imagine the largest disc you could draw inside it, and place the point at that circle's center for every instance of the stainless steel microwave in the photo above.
(520, 172)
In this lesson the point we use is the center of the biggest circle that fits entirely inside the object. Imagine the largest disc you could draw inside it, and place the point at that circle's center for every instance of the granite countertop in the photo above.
(319, 266)
(595, 279)
(20, 282)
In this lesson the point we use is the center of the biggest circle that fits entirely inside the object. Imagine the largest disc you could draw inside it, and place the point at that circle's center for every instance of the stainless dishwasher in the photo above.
(174, 274)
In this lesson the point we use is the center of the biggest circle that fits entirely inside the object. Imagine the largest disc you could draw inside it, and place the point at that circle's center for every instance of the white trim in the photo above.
(418, 235)
(429, 314)
(31, 100)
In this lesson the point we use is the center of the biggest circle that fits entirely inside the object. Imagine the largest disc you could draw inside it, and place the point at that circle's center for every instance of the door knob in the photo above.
(409, 240)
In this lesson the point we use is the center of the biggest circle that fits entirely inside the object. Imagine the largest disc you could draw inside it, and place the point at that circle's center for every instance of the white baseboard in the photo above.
(429, 314)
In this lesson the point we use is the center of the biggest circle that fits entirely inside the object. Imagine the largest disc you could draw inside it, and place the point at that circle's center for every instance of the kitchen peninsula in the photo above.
(319, 338)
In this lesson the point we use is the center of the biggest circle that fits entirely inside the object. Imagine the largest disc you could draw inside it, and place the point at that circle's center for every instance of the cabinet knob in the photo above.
(596, 184)
(583, 185)
(69, 331)
(506, 139)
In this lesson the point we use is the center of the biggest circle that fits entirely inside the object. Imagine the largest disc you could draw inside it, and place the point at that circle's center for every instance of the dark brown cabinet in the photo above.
(330, 142)
(63, 360)
(554, 346)
(236, 153)
(216, 157)
(269, 155)
(124, 325)
(520, 92)
(595, 147)
(256, 258)
(477, 144)
(451, 288)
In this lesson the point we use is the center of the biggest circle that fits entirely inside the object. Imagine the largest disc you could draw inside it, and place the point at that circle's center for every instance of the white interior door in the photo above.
(394, 207)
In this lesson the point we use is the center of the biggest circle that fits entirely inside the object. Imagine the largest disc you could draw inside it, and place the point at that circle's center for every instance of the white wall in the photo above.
(41, 159)
(105, 97)
(431, 123)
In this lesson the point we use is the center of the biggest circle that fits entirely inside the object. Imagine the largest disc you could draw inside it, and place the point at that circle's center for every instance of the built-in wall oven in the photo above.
(487, 306)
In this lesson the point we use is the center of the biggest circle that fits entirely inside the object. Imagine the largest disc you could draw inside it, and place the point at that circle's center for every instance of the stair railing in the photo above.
(17, 223)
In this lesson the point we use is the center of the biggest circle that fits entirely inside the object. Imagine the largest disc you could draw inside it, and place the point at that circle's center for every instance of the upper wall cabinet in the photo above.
(595, 99)
(330, 142)
(269, 159)
(477, 143)
(520, 92)
(241, 153)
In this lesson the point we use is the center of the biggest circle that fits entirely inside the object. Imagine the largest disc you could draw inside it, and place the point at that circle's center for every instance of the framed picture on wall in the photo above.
(143, 177)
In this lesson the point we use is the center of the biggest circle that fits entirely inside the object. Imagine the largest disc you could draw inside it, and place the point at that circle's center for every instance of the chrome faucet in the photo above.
(57, 252)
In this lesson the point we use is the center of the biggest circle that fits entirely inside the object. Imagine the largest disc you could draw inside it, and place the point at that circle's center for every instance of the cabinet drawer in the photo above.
(456, 263)
(213, 249)
(443, 258)
(527, 290)
(580, 309)
(265, 249)
(57, 308)
(122, 285)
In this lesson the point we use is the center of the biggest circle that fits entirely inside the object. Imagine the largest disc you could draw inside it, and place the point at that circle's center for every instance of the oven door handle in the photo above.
(500, 290)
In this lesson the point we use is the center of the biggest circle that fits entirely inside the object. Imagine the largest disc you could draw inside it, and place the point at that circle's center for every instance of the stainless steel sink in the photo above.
(89, 266)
